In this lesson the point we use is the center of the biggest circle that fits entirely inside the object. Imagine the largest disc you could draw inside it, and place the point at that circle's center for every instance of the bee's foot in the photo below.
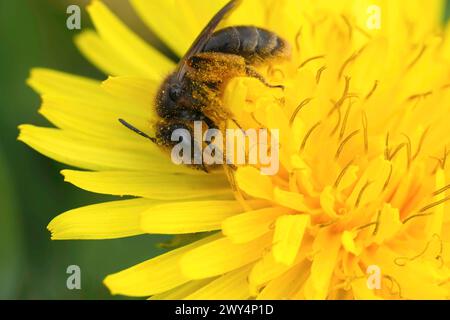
(276, 86)
(255, 74)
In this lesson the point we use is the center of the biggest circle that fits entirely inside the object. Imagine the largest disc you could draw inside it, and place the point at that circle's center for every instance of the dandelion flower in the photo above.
(363, 185)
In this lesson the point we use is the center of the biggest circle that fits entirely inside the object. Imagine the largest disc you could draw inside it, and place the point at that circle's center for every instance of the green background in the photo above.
(33, 33)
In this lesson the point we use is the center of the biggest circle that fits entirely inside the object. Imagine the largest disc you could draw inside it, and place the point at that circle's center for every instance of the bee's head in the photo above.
(174, 91)
(175, 101)
(169, 98)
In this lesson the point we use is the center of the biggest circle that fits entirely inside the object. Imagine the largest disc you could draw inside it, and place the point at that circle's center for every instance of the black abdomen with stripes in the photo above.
(252, 43)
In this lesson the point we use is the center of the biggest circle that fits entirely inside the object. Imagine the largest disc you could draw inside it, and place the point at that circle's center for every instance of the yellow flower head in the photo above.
(359, 207)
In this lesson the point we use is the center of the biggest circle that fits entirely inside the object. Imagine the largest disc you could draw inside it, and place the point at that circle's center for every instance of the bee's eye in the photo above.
(174, 93)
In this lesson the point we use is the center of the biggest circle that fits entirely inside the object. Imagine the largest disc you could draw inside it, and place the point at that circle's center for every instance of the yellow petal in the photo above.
(250, 12)
(290, 200)
(304, 175)
(250, 225)
(221, 256)
(84, 105)
(289, 231)
(182, 291)
(362, 292)
(288, 284)
(371, 184)
(327, 202)
(231, 286)
(437, 219)
(93, 119)
(96, 154)
(100, 54)
(153, 276)
(235, 96)
(177, 22)
(108, 220)
(348, 242)
(265, 270)
(251, 181)
(137, 90)
(46, 81)
(151, 185)
(127, 95)
(127, 44)
(425, 284)
(188, 217)
(446, 46)
(328, 244)
(161, 18)
(389, 224)
(349, 178)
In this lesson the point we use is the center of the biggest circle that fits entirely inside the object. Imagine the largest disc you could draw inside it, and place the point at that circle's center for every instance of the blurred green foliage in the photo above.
(32, 33)
(31, 189)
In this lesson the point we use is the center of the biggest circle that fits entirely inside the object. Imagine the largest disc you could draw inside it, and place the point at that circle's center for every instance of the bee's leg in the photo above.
(230, 171)
(210, 123)
(204, 168)
(237, 124)
(255, 74)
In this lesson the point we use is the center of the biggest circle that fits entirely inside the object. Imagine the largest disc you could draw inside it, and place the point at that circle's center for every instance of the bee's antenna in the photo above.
(136, 130)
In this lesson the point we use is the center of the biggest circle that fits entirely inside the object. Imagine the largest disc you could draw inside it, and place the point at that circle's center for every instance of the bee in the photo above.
(193, 92)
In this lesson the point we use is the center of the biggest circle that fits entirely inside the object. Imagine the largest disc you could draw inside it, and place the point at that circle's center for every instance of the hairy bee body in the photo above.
(201, 87)
(228, 53)
(193, 92)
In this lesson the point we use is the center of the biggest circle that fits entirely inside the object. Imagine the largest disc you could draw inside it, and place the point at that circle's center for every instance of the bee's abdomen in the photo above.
(252, 43)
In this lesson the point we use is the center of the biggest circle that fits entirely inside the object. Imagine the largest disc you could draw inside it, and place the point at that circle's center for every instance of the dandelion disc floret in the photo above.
(362, 189)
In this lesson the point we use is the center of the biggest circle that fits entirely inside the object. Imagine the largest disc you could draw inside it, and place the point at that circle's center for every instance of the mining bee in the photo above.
(193, 92)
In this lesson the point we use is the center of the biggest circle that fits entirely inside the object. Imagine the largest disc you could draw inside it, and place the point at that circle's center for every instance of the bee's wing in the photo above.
(204, 36)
